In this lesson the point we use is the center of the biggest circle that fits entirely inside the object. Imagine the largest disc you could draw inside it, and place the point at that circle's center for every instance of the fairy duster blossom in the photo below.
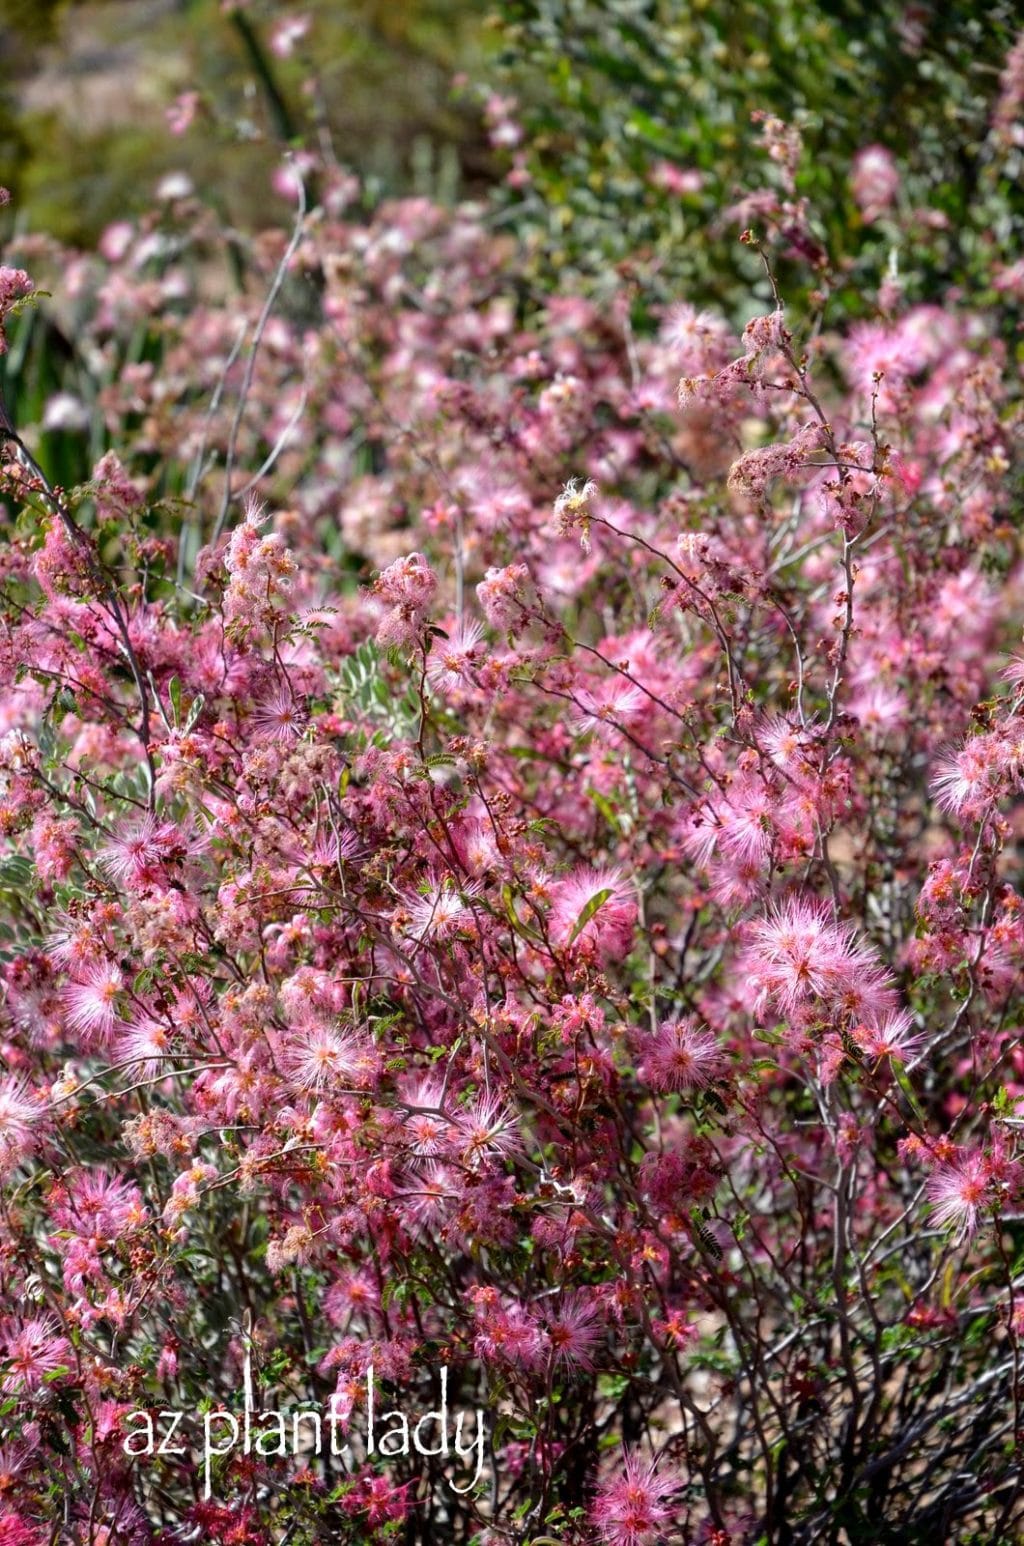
(680, 1056)
(19, 1115)
(957, 1193)
(797, 955)
(634, 1507)
(875, 180)
(594, 907)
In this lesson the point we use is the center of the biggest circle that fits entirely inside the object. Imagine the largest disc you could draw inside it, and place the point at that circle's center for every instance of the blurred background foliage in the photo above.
(615, 92)
(86, 85)
(610, 136)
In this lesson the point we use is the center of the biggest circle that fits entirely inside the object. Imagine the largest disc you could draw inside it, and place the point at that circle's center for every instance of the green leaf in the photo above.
(596, 902)
(16, 872)
(194, 711)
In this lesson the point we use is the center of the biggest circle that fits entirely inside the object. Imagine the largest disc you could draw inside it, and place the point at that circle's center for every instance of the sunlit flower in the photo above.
(633, 1508)
(444, 912)
(31, 1349)
(681, 1057)
(91, 1003)
(451, 661)
(324, 1058)
(957, 1194)
(594, 906)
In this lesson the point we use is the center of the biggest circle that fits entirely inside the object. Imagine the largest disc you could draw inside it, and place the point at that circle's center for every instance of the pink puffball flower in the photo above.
(325, 1058)
(681, 1057)
(875, 181)
(18, 1117)
(431, 1199)
(575, 1331)
(501, 594)
(91, 1004)
(408, 582)
(407, 588)
(135, 855)
(31, 1350)
(279, 717)
(451, 661)
(967, 781)
(956, 1194)
(487, 1130)
(633, 1508)
(444, 912)
(426, 1126)
(798, 955)
(147, 1047)
(611, 706)
(892, 1037)
(595, 907)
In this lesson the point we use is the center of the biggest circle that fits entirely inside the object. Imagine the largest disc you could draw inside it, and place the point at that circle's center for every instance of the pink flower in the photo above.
(289, 31)
(594, 907)
(676, 179)
(756, 470)
(957, 1192)
(875, 181)
(408, 582)
(279, 717)
(966, 782)
(289, 178)
(426, 1126)
(14, 286)
(136, 855)
(407, 587)
(746, 820)
(91, 1004)
(508, 1333)
(432, 1197)
(892, 1037)
(324, 1059)
(500, 594)
(614, 703)
(487, 1130)
(574, 1332)
(30, 1350)
(148, 1046)
(699, 340)
(797, 954)
(451, 661)
(444, 912)
(182, 112)
(19, 1115)
(116, 240)
(682, 1057)
(100, 1205)
(17, 1531)
(633, 1509)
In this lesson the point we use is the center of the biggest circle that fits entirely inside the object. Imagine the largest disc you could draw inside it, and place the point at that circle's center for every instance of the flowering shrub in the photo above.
(626, 138)
(511, 903)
